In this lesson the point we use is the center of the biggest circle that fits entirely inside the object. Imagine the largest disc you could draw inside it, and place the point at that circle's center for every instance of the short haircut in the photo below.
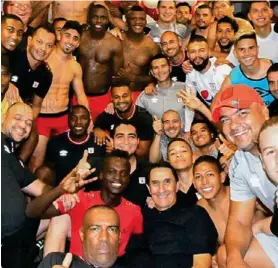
(245, 35)
(58, 19)
(74, 25)
(6, 17)
(161, 164)
(253, 2)
(123, 122)
(78, 106)
(5, 61)
(171, 111)
(159, 56)
(197, 39)
(91, 8)
(204, 6)
(116, 153)
(134, 9)
(184, 4)
(271, 122)
(273, 68)
(178, 139)
(47, 27)
(159, 2)
(119, 83)
(212, 129)
(213, 3)
(229, 20)
(207, 159)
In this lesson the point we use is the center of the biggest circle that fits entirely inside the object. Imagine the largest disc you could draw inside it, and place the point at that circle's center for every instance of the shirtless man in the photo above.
(138, 50)
(53, 117)
(100, 57)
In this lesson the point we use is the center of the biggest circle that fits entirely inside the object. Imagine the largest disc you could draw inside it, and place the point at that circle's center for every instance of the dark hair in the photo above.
(213, 3)
(273, 68)
(184, 4)
(119, 83)
(207, 159)
(72, 24)
(116, 153)
(197, 38)
(5, 61)
(253, 2)
(161, 164)
(204, 6)
(78, 106)
(91, 8)
(5, 17)
(229, 20)
(178, 139)
(47, 27)
(134, 9)
(159, 2)
(249, 35)
(159, 56)
(123, 122)
(212, 129)
(58, 19)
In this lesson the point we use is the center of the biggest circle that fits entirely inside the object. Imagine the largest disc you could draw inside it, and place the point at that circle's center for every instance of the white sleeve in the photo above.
(232, 58)
(139, 100)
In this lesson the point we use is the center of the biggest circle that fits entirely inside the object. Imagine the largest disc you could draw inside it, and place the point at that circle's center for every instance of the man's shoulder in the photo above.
(129, 206)
(111, 38)
(60, 138)
(141, 112)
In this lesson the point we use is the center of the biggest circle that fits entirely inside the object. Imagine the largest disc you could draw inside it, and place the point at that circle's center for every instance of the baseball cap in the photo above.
(236, 96)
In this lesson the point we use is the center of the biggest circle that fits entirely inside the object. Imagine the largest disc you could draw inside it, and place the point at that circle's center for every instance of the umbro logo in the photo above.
(63, 153)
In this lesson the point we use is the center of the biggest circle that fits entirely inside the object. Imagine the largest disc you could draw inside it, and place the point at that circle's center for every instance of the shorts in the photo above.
(270, 246)
(97, 104)
(52, 124)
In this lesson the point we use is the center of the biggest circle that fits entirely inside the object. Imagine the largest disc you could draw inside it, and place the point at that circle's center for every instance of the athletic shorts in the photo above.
(269, 244)
(52, 124)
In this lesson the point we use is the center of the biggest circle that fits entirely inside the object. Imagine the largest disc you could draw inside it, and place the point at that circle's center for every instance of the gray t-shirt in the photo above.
(156, 31)
(166, 99)
(249, 180)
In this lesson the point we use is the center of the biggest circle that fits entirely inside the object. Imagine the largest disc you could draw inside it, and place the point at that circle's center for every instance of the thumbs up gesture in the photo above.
(83, 165)
(157, 126)
(66, 262)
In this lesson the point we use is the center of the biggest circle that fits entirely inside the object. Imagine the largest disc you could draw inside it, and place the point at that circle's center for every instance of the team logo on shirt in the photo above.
(206, 95)
(6, 148)
(154, 100)
(14, 78)
(35, 84)
(112, 127)
(174, 79)
(142, 180)
(63, 153)
(91, 150)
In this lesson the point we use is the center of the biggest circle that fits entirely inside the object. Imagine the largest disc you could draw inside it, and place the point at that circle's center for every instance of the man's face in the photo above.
(69, 41)
(246, 51)
(58, 28)
(273, 83)
(171, 124)
(136, 21)
(18, 122)
(5, 80)
(201, 135)
(160, 69)
(163, 188)
(22, 9)
(225, 35)
(41, 45)
(11, 34)
(208, 181)
(115, 175)
(221, 9)
(242, 127)
(126, 139)
(122, 99)
(100, 236)
(170, 44)
(260, 14)
(167, 11)
(79, 121)
(203, 18)
(99, 21)
(183, 15)
(180, 155)
(198, 54)
(269, 151)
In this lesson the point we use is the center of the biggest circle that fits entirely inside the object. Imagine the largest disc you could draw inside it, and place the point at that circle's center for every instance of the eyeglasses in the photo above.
(21, 6)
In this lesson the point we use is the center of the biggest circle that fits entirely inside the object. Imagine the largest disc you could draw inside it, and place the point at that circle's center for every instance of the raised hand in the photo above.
(83, 165)
(150, 89)
(189, 99)
(110, 108)
(187, 67)
(157, 126)
(127, 74)
(66, 262)
(100, 136)
(225, 147)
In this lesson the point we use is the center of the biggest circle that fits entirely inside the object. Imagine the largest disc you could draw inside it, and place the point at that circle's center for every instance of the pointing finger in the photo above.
(67, 260)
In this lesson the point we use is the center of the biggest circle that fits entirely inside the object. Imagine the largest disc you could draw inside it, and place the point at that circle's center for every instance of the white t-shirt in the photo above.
(268, 48)
(209, 83)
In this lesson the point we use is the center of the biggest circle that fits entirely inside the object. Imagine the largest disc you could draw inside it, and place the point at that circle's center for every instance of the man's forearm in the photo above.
(37, 7)
(155, 154)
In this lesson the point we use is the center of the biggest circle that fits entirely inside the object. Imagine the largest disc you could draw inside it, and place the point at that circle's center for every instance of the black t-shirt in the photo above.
(178, 74)
(273, 108)
(187, 199)
(14, 177)
(56, 258)
(63, 155)
(28, 81)
(141, 119)
(173, 236)
(274, 222)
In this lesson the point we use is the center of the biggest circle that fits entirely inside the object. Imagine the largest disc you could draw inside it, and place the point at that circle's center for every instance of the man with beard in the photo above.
(11, 32)
(101, 57)
(242, 113)
(184, 15)
(53, 117)
(169, 127)
(65, 150)
(138, 50)
(206, 77)
(125, 110)
(272, 78)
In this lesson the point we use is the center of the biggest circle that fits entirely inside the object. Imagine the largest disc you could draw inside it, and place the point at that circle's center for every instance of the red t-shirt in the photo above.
(131, 220)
